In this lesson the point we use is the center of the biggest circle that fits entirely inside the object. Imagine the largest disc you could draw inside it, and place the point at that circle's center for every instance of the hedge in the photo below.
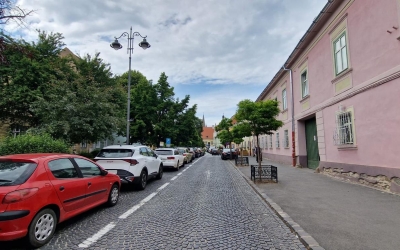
(33, 143)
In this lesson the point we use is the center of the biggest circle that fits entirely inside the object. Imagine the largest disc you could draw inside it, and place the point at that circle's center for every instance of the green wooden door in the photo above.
(312, 143)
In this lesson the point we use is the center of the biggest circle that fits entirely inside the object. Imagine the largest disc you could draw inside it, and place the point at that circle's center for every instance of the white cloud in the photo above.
(194, 42)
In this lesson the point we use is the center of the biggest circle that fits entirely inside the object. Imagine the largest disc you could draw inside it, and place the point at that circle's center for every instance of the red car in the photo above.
(37, 191)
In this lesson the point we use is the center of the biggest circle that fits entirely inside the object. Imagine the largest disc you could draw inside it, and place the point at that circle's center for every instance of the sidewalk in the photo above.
(338, 215)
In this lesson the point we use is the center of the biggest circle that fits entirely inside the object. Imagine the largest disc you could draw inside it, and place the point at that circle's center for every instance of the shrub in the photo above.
(86, 154)
(33, 143)
(95, 152)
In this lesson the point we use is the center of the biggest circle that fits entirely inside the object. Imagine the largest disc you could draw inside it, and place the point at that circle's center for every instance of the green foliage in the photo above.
(87, 155)
(33, 143)
(85, 108)
(76, 99)
(257, 118)
(228, 133)
(156, 114)
(70, 98)
(94, 153)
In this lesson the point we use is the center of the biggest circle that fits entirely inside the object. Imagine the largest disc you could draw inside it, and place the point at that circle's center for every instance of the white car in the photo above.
(133, 164)
(171, 157)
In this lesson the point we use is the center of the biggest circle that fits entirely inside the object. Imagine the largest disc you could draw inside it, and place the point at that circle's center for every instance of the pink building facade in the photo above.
(346, 95)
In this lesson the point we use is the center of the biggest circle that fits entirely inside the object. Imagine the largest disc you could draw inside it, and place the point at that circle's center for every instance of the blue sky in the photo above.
(218, 52)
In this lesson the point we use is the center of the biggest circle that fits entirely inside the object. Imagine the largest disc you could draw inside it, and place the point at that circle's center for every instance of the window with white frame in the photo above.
(277, 140)
(340, 50)
(270, 141)
(304, 84)
(286, 139)
(284, 100)
(266, 141)
(262, 142)
(344, 134)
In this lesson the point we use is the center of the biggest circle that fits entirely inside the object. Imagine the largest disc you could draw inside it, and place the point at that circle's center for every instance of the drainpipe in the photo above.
(292, 102)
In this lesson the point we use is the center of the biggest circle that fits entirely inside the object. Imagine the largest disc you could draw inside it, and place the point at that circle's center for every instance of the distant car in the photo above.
(191, 150)
(38, 191)
(134, 164)
(214, 151)
(226, 154)
(185, 152)
(171, 158)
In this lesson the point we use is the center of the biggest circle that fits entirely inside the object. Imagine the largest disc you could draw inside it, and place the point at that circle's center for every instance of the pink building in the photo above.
(346, 95)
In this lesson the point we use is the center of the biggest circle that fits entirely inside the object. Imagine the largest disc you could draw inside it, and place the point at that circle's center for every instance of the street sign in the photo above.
(168, 141)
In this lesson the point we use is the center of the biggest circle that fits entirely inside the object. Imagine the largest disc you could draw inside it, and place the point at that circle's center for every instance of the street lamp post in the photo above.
(116, 45)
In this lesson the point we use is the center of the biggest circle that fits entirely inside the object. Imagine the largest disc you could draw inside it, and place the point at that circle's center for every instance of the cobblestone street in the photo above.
(205, 205)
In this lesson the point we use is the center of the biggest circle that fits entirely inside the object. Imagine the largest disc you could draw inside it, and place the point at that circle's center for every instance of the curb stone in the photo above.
(309, 242)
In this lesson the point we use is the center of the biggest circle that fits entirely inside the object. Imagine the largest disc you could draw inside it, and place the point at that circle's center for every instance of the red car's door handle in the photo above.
(62, 188)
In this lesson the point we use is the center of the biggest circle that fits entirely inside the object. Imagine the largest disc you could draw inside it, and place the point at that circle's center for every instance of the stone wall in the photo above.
(381, 182)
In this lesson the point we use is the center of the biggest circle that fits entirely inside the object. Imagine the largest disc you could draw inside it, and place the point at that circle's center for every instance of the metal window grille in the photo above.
(344, 134)
(286, 139)
(304, 84)
(284, 101)
(277, 140)
(84, 144)
(270, 141)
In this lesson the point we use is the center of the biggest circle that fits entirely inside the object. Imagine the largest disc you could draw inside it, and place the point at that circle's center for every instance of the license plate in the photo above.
(112, 171)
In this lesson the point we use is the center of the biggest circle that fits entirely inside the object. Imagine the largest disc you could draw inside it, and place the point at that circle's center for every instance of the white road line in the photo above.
(98, 235)
(179, 174)
(136, 207)
(111, 225)
(172, 179)
(163, 186)
(148, 198)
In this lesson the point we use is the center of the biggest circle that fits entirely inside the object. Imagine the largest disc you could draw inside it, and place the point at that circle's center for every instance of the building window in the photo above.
(270, 141)
(284, 100)
(304, 84)
(84, 144)
(344, 134)
(286, 139)
(262, 142)
(277, 140)
(340, 50)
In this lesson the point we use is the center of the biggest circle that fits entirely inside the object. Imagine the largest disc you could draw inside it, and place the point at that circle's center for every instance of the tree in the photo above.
(257, 118)
(239, 131)
(10, 11)
(224, 132)
(85, 107)
(28, 74)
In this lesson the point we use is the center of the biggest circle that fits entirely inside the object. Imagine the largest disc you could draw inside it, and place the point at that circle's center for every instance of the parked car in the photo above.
(38, 191)
(191, 151)
(188, 156)
(171, 157)
(226, 153)
(134, 164)
(214, 151)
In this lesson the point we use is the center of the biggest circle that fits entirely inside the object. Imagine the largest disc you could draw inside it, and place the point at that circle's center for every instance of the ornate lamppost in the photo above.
(116, 45)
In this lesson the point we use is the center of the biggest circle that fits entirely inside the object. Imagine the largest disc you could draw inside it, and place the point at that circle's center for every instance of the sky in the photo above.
(217, 51)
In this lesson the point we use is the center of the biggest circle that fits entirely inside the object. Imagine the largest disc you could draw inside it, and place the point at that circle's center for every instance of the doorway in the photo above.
(312, 143)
